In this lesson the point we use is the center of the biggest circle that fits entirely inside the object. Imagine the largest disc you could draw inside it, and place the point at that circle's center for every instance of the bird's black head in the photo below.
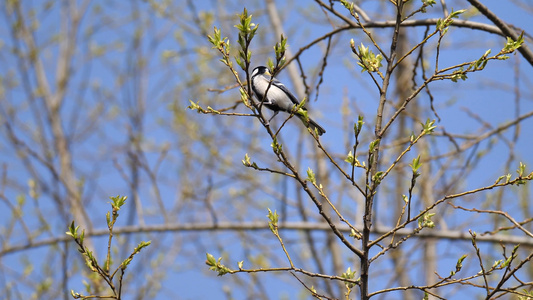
(261, 70)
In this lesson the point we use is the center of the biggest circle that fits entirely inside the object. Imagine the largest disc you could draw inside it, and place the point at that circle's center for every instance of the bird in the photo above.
(278, 98)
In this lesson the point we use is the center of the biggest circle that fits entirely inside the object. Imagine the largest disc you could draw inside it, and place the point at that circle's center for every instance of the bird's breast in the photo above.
(275, 95)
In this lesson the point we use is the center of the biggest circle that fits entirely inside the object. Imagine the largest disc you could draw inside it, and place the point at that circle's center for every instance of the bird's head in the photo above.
(261, 70)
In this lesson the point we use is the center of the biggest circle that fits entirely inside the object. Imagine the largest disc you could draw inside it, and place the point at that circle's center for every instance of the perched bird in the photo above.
(279, 98)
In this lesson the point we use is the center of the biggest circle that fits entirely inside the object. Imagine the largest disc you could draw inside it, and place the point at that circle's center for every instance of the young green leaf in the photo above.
(350, 158)
(358, 126)
(246, 161)
(459, 263)
(521, 169)
(210, 261)
(275, 146)
(368, 61)
(311, 176)
(73, 231)
(373, 145)
(425, 221)
(512, 45)
(416, 164)
(273, 221)
(350, 275)
(377, 177)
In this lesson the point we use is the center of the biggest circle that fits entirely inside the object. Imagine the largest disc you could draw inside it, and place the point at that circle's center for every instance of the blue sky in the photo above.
(165, 83)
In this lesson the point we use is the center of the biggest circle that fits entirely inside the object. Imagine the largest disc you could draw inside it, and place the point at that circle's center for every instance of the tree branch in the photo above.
(506, 29)
(256, 226)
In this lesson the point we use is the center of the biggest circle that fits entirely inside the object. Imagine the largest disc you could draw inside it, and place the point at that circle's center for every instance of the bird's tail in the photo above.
(312, 124)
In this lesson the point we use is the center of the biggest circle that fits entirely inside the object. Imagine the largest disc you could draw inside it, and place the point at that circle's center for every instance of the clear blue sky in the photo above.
(486, 94)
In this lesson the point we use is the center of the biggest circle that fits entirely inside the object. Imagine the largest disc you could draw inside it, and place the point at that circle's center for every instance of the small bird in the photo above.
(279, 98)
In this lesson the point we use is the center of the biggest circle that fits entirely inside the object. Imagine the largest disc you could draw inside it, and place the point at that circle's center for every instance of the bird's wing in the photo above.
(282, 87)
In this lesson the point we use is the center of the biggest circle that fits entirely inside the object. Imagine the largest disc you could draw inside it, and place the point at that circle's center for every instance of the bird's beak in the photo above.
(268, 72)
